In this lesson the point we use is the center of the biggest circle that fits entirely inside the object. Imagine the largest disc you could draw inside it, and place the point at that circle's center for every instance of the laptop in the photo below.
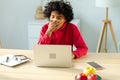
(52, 55)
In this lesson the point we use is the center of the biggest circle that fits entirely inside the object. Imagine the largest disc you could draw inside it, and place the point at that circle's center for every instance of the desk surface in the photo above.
(27, 71)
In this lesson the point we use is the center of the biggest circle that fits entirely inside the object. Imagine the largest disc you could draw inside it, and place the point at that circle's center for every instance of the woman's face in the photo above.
(57, 18)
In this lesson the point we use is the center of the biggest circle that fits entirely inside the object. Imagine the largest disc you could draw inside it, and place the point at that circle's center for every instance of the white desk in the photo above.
(27, 71)
(34, 28)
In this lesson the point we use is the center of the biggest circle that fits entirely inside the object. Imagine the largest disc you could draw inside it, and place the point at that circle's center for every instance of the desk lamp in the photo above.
(105, 23)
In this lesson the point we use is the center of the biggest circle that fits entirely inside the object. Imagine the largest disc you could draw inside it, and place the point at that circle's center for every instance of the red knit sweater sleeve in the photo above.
(81, 47)
(44, 39)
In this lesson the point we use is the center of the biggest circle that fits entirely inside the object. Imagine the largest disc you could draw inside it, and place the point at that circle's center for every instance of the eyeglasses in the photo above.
(18, 58)
(13, 60)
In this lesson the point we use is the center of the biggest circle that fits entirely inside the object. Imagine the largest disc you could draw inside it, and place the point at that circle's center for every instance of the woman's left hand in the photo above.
(73, 56)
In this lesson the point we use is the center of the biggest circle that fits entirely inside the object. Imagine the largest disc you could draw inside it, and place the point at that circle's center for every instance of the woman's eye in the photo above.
(52, 17)
(59, 18)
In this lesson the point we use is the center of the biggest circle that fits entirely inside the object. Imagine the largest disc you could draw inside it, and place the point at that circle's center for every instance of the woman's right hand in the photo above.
(51, 27)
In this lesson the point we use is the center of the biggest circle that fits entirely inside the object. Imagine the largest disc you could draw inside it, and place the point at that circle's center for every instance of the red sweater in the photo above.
(68, 34)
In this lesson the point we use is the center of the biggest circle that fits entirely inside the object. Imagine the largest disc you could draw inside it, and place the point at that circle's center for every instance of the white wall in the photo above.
(91, 22)
(15, 15)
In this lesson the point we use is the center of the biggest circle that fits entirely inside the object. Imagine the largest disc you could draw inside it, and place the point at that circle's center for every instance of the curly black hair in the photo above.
(61, 7)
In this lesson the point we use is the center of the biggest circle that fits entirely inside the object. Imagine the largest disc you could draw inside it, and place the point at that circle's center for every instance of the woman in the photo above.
(59, 30)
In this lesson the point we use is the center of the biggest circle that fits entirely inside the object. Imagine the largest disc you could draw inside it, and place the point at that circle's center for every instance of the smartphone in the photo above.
(95, 65)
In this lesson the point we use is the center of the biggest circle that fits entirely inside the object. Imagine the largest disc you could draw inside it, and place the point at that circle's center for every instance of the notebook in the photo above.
(52, 55)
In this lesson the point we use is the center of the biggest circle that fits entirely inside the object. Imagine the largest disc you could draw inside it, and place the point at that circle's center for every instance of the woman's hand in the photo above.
(73, 56)
(51, 27)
